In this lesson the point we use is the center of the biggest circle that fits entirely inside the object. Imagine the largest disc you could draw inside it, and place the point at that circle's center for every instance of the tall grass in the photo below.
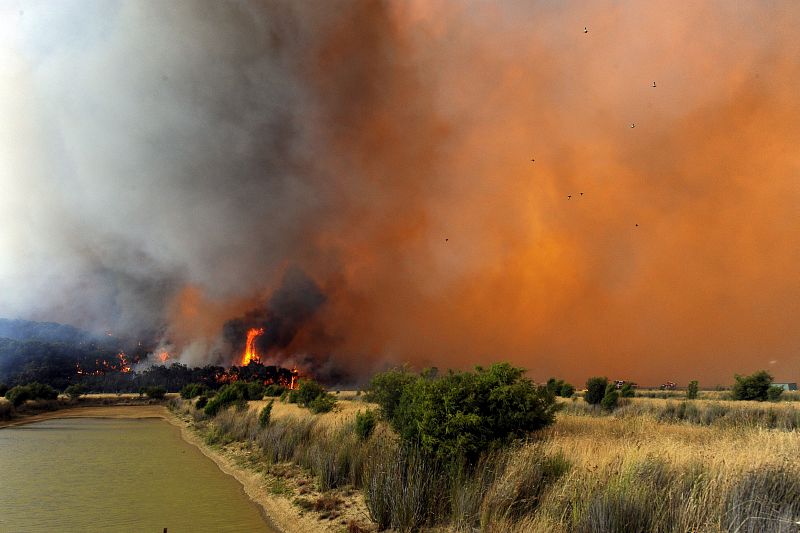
(782, 415)
(626, 472)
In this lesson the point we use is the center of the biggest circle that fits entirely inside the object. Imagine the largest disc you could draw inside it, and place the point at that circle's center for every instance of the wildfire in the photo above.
(163, 356)
(250, 349)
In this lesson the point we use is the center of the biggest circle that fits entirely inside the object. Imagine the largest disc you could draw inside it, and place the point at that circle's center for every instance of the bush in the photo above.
(308, 391)
(752, 387)
(323, 403)
(365, 424)
(156, 393)
(274, 390)
(386, 389)
(610, 398)
(774, 393)
(3, 389)
(18, 395)
(201, 402)
(227, 395)
(32, 391)
(595, 390)
(75, 391)
(566, 391)
(461, 415)
(292, 396)
(255, 391)
(626, 391)
(692, 389)
(193, 390)
(265, 414)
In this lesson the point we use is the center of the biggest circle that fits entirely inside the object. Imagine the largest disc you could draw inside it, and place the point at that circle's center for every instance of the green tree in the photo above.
(752, 387)
(595, 390)
(692, 389)
(3, 389)
(18, 395)
(75, 391)
(566, 391)
(627, 391)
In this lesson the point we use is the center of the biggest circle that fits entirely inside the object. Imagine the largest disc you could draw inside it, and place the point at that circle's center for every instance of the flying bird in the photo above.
(654, 84)
(532, 160)
(581, 194)
(585, 29)
(569, 196)
(637, 225)
(446, 240)
(633, 124)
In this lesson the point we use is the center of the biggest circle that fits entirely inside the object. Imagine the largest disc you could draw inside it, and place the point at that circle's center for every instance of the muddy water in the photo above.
(89, 474)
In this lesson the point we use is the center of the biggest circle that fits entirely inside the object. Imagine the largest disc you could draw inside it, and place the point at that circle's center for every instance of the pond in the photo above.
(94, 474)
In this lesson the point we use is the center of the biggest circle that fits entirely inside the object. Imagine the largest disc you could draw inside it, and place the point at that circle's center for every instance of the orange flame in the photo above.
(164, 356)
(249, 349)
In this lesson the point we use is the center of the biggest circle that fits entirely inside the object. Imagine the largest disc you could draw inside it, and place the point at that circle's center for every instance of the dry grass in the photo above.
(642, 468)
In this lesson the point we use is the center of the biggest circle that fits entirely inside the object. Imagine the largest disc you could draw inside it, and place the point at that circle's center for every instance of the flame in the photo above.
(249, 349)
(164, 356)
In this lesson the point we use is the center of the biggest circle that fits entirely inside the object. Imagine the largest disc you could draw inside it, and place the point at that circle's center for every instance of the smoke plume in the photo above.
(357, 176)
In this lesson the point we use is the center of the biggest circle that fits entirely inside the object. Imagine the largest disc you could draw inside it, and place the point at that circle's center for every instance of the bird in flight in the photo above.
(581, 194)
(446, 240)
(637, 225)
(633, 124)
(569, 196)
(532, 160)
(654, 84)
(585, 29)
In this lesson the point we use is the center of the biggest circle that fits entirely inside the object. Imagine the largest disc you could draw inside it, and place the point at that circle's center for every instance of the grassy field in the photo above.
(649, 466)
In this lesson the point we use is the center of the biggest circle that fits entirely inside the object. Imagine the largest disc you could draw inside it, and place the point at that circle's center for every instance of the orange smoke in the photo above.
(250, 353)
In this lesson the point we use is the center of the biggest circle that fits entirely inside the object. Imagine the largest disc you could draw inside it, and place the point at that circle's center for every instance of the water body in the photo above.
(90, 474)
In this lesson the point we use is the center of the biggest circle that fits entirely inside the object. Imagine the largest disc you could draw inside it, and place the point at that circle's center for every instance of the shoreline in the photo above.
(277, 511)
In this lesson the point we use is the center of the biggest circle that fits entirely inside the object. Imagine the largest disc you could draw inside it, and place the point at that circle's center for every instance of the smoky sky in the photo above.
(163, 165)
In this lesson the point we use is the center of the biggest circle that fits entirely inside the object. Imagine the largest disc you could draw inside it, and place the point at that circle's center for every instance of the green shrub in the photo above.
(595, 390)
(308, 391)
(752, 387)
(692, 390)
(386, 389)
(3, 389)
(265, 414)
(323, 403)
(365, 424)
(274, 390)
(567, 391)
(75, 391)
(462, 414)
(292, 396)
(32, 391)
(227, 395)
(156, 393)
(193, 390)
(627, 391)
(774, 393)
(610, 398)
(255, 391)
(201, 402)
(18, 395)
(554, 386)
